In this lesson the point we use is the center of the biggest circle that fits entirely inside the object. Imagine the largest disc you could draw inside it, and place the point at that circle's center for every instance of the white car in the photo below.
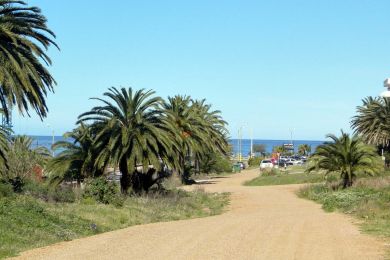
(294, 162)
(298, 162)
(266, 164)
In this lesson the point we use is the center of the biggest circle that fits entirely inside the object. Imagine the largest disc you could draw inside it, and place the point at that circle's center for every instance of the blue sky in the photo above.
(270, 66)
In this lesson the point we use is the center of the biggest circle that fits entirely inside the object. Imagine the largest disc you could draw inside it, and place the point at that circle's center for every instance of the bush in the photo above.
(270, 172)
(343, 199)
(17, 184)
(36, 189)
(103, 191)
(215, 163)
(6, 189)
(42, 191)
(62, 194)
(254, 161)
(222, 165)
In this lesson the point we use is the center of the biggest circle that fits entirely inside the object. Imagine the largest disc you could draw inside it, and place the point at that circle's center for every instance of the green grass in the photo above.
(283, 179)
(293, 175)
(26, 222)
(368, 200)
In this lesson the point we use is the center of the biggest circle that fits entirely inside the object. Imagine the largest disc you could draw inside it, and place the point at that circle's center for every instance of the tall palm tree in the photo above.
(346, 156)
(133, 133)
(24, 39)
(180, 113)
(201, 131)
(214, 127)
(372, 121)
(76, 158)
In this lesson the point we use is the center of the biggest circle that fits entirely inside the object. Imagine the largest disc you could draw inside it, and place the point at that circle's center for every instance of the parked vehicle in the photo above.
(266, 164)
(292, 161)
(282, 163)
(242, 165)
(298, 162)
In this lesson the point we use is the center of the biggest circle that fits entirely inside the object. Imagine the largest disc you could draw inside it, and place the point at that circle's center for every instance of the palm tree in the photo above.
(372, 121)
(180, 113)
(24, 39)
(201, 131)
(346, 156)
(304, 149)
(279, 149)
(132, 133)
(4, 144)
(214, 127)
(76, 159)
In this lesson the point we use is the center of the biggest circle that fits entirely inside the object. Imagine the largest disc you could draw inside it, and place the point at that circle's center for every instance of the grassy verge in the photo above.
(368, 200)
(26, 222)
(293, 175)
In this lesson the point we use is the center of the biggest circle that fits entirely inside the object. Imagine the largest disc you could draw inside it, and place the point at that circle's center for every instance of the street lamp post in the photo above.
(52, 140)
(240, 136)
(251, 143)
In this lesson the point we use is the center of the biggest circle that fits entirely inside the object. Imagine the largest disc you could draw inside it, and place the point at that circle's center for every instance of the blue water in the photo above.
(269, 144)
(47, 141)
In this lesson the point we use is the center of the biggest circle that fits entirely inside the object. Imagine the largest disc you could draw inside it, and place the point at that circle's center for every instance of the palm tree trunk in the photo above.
(125, 179)
(137, 182)
(347, 180)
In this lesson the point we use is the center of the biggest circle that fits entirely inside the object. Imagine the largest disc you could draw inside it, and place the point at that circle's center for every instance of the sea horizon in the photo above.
(47, 141)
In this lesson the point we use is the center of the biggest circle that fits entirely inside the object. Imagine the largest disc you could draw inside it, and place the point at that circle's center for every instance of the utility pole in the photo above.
(240, 143)
(251, 143)
(291, 140)
(52, 142)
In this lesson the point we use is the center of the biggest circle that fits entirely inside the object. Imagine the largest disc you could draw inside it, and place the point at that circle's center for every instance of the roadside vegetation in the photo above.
(363, 190)
(27, 222)
(284, 179)
(292, 175)
(367, 200)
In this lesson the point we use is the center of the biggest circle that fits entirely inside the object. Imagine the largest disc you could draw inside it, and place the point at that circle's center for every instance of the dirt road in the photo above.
(261, 223)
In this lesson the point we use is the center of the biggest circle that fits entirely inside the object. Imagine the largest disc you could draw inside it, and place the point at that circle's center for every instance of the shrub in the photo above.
(62, 194)
(103, 191)
(254, 161)
(23, 162)
(222, 165)
(44, 192)
(35, 189)
(215, 163)
(6, 189)
(270, 172)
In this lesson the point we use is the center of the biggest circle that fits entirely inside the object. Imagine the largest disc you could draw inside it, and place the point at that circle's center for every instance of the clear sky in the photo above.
(267, 65)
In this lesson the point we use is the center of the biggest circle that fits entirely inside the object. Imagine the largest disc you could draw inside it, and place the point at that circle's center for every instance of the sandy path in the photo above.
(261, 223)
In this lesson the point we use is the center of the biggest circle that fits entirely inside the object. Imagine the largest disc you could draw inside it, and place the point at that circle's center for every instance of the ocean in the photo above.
(269, 144)
(47, 141)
